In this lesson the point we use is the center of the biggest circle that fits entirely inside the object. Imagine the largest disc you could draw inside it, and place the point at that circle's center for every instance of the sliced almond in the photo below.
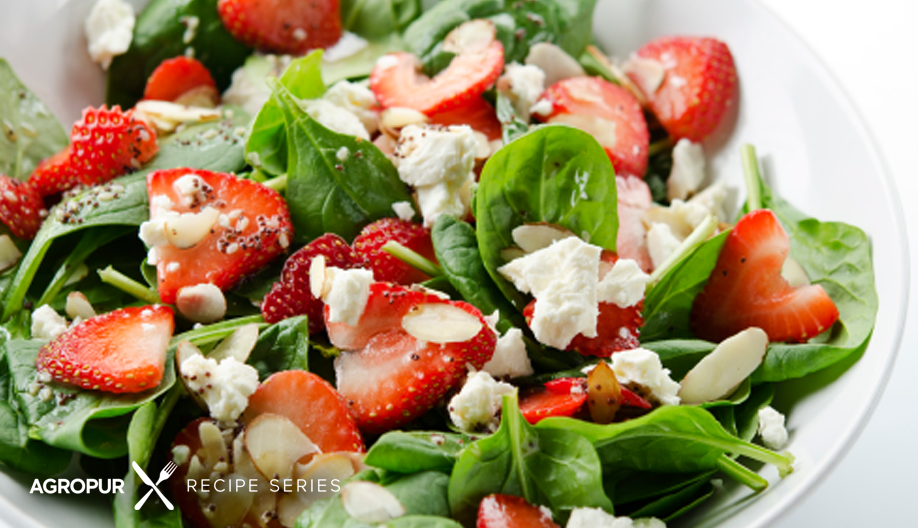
(441, 323)
(619, 75)
(276, 444)
(323, 476)
(392, 120)
(238, 345)
(512, 253)
(317, 282)
(166, 116)
(721, 371)
(201, 303)
(533, 237)
(9, 253)
(370, 503)
(648, 74)
(212, 443)
(231, 505)
(199, 96)
(554, 61)
(188, 229)
(470, 37)
(793, 273)
(78, 306)
(264, 500)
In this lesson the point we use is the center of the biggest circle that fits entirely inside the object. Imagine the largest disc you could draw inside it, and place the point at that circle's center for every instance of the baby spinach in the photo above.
(281, 346)
(29, 132)
(512, 125)
(159, 34)
(412, 452)
(551, 467)
(555, 174)
(422, 521)
(373, 19)
(325, 193)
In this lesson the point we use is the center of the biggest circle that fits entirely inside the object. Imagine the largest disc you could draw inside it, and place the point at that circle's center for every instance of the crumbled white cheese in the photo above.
(348, 295)
(348, 45)
(543, 107)
(160, 203)
(682, 217)
(249, 88)
(661, 243)
(713, 198)
(335, 118)
(642, 367)
(109, 29)
(478, 404)
(342, 154)
(225, 386)
(190, 188)
(404, 210)
(771, 428)
(510, 358)
(181, 454)
(522, 85)
(47, 324)
(598, 518)
(624, 284)
(563, 278)
(688, 170)
(356, 99)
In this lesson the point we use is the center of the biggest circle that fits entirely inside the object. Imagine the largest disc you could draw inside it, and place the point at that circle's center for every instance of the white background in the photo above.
(872, 48)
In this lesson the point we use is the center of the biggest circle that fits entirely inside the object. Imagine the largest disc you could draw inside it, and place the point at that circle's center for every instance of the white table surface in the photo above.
(871, 48)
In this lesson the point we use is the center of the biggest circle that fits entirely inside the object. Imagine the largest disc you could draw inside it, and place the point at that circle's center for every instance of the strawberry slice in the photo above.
(238, 227)
(108, 143)
(508, 511)
(21, 207)
(634, 200)
(181, 78)
(291, 295)
(120, 351)
(408, 349)
(386, 268)
(55, 174)
(568, 385)
(543, 402)
(746, 288)
(607, 111)
(476, 113)
(396, 80)
(312, 404)
(282, 26)
(698, 86)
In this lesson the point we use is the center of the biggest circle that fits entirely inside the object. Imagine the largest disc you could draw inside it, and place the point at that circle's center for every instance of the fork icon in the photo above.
(163, 475)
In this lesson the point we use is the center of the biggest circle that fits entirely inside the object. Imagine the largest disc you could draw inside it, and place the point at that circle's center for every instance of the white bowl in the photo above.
(817, 154)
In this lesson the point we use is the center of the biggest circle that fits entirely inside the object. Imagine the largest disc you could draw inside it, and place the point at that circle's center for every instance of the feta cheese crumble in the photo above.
(478, 404)
(661, 243)
(522, 85)
(109, 29)
(335, 118)
(224, 386)
(643, 368)
(598, 518)
(348, 295)
(47, 324)
(510, 358)
(624, 284)
(356, 99)
(771, 428)
(688, 170)
(348, 45)
(404, 210)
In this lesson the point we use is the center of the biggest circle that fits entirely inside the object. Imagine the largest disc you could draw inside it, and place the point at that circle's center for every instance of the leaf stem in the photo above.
(741, 473)
(783, 461)
(215, 332)
(660, 145)
(701, 233)
(128, 285)
(753, 177)
(412, 258)
(279, 184)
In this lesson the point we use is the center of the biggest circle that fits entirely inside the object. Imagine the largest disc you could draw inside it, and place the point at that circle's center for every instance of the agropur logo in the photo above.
(106, 486)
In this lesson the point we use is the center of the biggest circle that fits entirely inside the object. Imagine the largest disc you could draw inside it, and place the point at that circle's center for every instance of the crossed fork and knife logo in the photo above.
(163, 475)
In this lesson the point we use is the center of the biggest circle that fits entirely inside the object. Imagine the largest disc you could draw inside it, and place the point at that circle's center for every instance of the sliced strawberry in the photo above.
(55, 174)
(564, 386)
(386, 268)
(389, 376)
(607, 111)
(540, 403)
(291, 295)
(21, 207)
(479, 59)
(616, 328)
(110, 143)
(476, 113)
(312, 404)
(698, 86)
(746, 288)
(508, 511)
(282, 26)
(178, 77)
(633, 201)
(120, 351)
(253, 227)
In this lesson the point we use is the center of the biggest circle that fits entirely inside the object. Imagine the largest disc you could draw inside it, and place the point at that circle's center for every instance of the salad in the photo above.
(374, 264)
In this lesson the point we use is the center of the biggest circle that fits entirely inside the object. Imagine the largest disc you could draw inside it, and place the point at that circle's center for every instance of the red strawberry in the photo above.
(55, 174)
(282, 26)
(746, 288)
(540, 403)
(568, 385)
(479, 60)
(312, 404)
(110, 143)
(390, 376)
(291, 295)
(253, 227)
(633, 201)
(698, 87)
(120, 351)
(607, 111)
(386, 268)
(508, 511)
(21, 207)
(477, 113)
(178, 77)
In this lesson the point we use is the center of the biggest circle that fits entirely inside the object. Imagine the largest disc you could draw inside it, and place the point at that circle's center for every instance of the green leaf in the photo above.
(512, 125)
(361, 63)
(411, 452)
(159, 35)
(373, 19)
(326, 194)
(747, 413)
(29, 132)
(677, 503)
(551, 467)
(281, 346)
(555, 174)
(422, 521)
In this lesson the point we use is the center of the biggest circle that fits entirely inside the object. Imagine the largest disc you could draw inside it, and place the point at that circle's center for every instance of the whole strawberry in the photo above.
(107, 143)
(386, 268)
(55, 174)
(282, 26)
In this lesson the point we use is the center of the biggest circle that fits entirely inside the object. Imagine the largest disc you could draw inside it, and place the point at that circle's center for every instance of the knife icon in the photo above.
(149, 482)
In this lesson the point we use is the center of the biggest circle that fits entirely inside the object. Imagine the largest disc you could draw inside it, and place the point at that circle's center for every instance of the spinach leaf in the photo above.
(512, 125)
(677, 503)
(281, 346)
(30, 132)
(361, 63)
(422, 521)
(632, 488)
(746, 415)
(326, 194)
(373, 19)
(159, 35)
(412, 452)
(555, 174)
(680, 355)
(552, 467)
